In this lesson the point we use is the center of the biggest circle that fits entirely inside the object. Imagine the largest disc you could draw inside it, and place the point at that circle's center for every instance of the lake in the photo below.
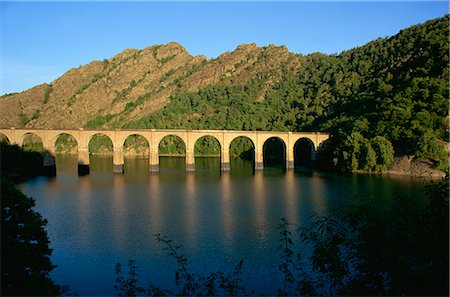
(103, 218)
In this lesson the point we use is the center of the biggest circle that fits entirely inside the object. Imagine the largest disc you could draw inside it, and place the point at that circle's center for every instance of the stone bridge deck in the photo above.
(154, 137)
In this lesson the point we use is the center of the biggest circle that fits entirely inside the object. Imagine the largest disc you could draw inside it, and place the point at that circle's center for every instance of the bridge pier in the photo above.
(49, 162)
(153, 165)
(290, 164)
(118, 160)
(259, 162)
(190, 160)
(289, 153)
(83, 161)
(118, 168)
(313, 155)
(225, 160)
(290, 161)
(313, 158)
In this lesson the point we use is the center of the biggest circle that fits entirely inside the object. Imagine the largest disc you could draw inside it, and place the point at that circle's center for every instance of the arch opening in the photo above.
(303, 149)
(207, 151)
(100, 149)
(66, 144)
(172, 145)
(274, 153)
(242, 147)
(136, 145)
(169, 147)
(4, 139)
(136, 150)
(242, 154)
(66, 152)
(207, 146)
(32, 143)
(100, 144)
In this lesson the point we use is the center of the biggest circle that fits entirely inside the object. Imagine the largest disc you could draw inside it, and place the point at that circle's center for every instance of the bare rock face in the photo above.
(135, 83)
(412, 166)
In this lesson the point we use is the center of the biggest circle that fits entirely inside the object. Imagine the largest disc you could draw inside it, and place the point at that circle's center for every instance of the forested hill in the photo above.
(391, 90)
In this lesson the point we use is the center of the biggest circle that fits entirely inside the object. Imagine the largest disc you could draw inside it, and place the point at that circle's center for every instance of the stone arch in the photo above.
(172, 145)
(100, 143)
(207, 145)
(136, 145)
(65, 147)
(4, 138)
(32, 141)
(175, 145)
(135, 154)
(210, 147)
(274, 152)
(303, 152)
(242, 154)
(194, 136)
(242, 146)
(158, 136)
(65, 142)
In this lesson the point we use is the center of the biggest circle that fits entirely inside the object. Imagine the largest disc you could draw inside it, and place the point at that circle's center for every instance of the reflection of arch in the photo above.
(99, 143)
(136, 144)
(274, 152)
(303, 150)
(207, 145)
(65, 142)
(172, 145)
(4, 138)
(32, 142)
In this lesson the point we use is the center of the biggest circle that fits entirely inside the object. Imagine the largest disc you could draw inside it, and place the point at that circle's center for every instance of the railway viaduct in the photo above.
(154, 137)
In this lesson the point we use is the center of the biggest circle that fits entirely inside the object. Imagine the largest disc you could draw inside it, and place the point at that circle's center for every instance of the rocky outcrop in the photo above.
(135, 83)
(411, 166)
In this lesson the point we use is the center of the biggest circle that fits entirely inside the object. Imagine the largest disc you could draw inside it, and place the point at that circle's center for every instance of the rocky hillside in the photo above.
(388, 97)
(135, 83)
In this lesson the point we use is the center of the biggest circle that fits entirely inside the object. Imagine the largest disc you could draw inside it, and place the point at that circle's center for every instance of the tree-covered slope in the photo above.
(392, 90)
(391, 94)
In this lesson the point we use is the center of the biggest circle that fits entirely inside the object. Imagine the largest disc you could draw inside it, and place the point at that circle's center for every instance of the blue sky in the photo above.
(42, 40)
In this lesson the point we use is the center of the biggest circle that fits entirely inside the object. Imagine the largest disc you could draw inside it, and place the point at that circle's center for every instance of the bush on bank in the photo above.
(25, 252)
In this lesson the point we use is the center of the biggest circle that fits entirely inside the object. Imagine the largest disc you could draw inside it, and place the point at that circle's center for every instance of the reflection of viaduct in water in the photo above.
(154, 137)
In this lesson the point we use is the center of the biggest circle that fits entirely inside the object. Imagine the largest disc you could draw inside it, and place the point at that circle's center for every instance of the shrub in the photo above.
(25, 252)
(47, 93)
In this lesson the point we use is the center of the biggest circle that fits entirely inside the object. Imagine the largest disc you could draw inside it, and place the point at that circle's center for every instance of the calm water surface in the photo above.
(98, 220)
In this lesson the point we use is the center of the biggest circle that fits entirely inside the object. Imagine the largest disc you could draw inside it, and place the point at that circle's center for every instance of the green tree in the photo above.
(395, 87)
(172, 145)
(18, 163)
(367, 157)
(349, 158)
(207, 145)
(384, 152)
(429, 147)
(25, 252)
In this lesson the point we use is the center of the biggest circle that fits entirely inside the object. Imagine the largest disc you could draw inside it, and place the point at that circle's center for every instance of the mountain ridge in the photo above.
(143, 79)
(388, 96)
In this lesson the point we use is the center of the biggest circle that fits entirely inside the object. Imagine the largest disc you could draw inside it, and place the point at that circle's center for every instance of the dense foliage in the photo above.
(100, 144)
(33, 143)
(25, 254)
(172, 145)
(17, 163)
(66, 143)
(388, 96)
